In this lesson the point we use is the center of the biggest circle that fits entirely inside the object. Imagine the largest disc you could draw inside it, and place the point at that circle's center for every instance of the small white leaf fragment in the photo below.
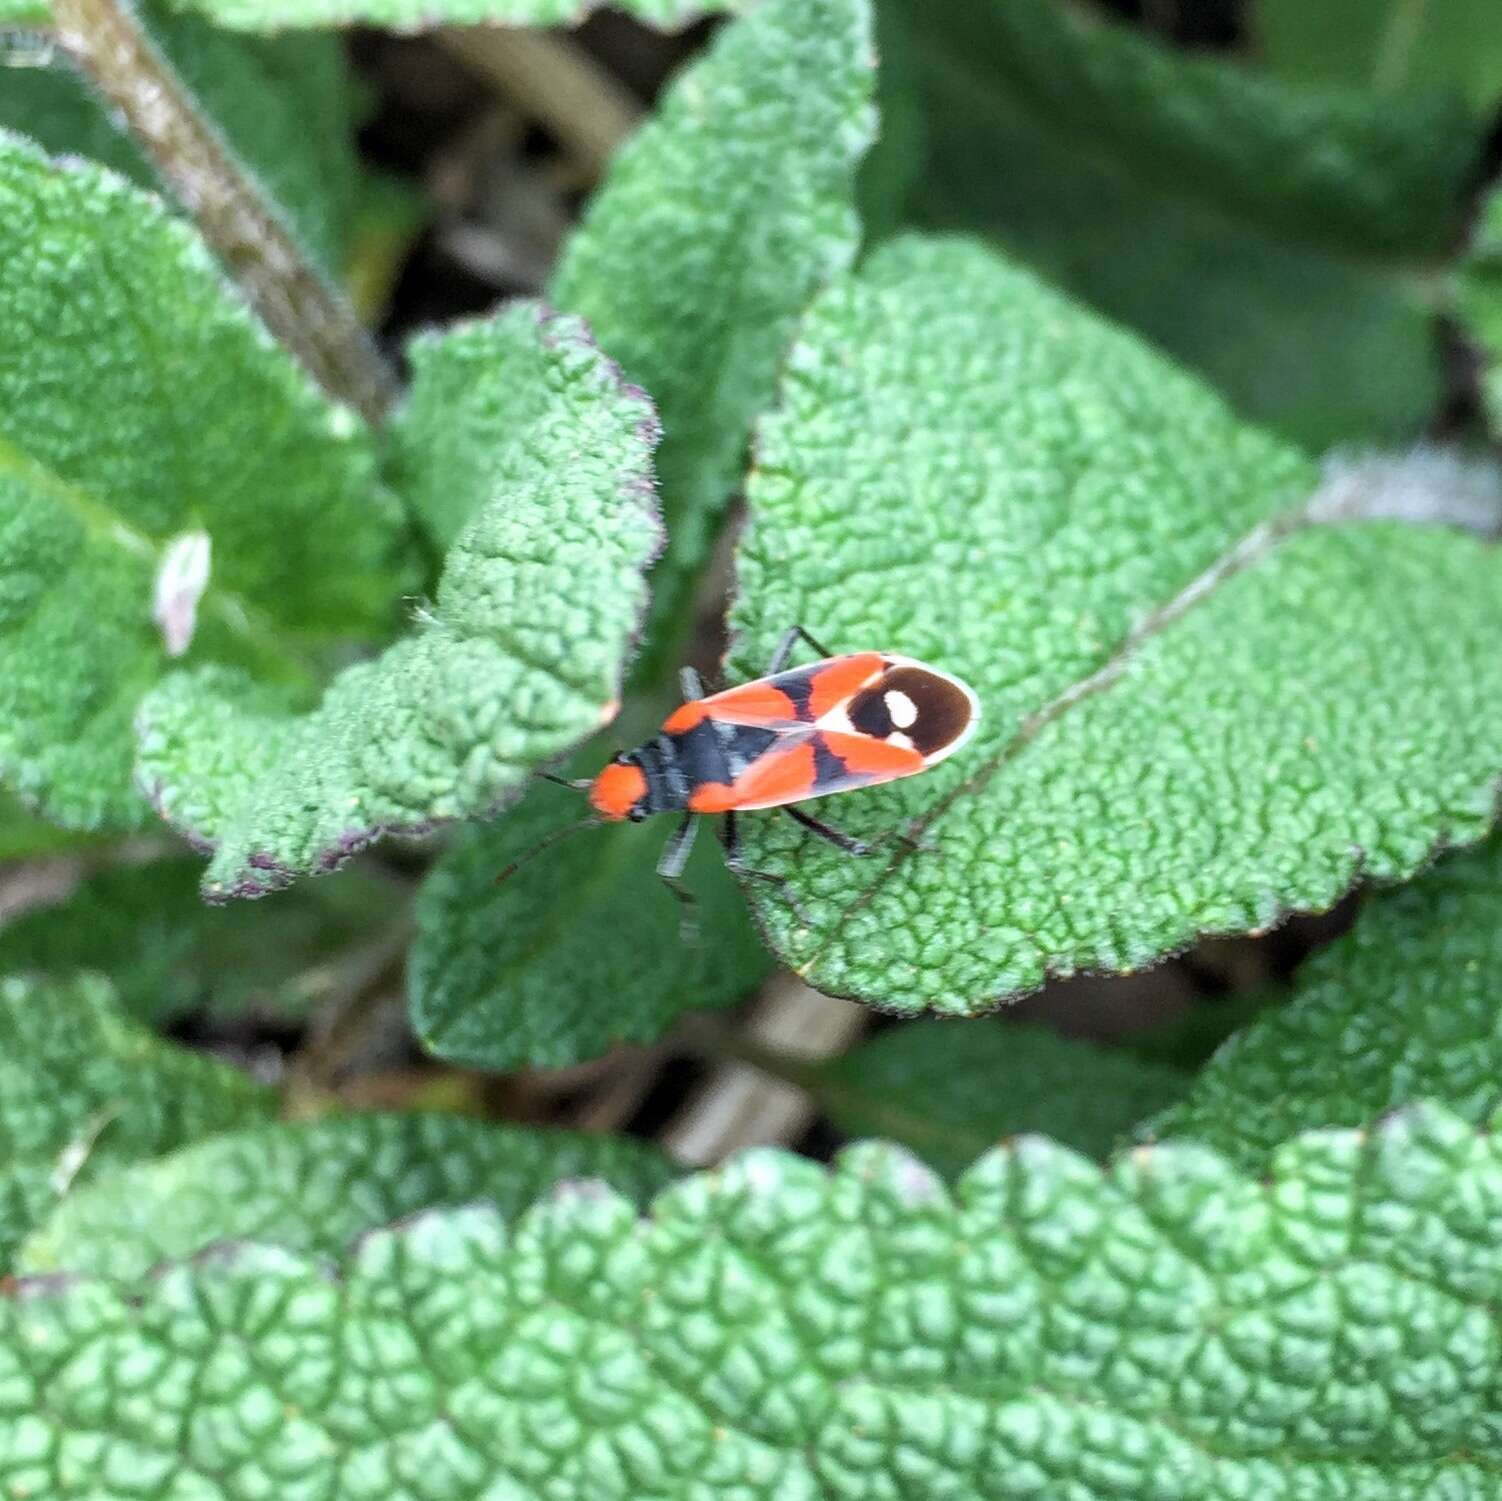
(181, 578)
(77, 1152)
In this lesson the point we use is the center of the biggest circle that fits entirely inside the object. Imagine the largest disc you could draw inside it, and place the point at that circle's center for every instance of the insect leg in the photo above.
(842, 841)
(670, 867)
(693, 686)
(735, 860)
(785, 648)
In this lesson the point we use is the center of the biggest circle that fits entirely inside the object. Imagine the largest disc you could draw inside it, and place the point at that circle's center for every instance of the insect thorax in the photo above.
(710, 753)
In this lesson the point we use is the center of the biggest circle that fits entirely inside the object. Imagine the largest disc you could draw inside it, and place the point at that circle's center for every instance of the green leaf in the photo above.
(1105, 162)
(716, 224)
(83, 1089)
(1479, 302)
(1320, 164)
(952, 1089)
(1201, 708)
(581, 948)
(283, 104)
(1402, 1008)
(23, 835)
(140, 402)
(1386, 45)
(1167, 1329)
(416, 15)
(168, 954)
(525, 445)
(1186, 1040)
(315, 1187)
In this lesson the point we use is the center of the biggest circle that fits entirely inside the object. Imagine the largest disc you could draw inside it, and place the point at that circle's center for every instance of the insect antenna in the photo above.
(544, 844)
(577, 785)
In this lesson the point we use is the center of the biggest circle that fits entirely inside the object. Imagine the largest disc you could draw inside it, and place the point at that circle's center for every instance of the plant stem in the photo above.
(551, 78)
(738, 1105)
(1395, 44)
(106, 41)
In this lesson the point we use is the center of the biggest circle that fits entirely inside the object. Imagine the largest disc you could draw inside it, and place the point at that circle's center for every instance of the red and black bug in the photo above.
(798, 733)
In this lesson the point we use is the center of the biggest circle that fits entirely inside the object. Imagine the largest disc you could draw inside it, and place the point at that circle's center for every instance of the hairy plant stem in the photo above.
(107, 43)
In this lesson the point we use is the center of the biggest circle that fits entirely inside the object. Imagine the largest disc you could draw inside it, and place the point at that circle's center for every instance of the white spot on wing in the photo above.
(968, 732)
(903, 711)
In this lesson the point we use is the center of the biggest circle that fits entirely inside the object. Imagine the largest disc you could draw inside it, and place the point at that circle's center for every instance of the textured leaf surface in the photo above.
(1404, 1007)
(522, 439)
(283, 103)
(139, 400)
(84, 1089)
(579, 949)
(1244, 255)
(715, 225)
(167, 953)
(952, 1089)
(416, 15)
(1200, 711)
(1168, 1329)
(315, 1187)
(1479, 302)
(1386, 44)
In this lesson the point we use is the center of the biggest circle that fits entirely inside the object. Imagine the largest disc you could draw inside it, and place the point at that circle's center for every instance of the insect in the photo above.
(853, 720)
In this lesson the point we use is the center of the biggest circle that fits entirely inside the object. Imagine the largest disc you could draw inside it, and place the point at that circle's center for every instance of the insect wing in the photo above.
(907, 707)
(798, 766)
(786, 701)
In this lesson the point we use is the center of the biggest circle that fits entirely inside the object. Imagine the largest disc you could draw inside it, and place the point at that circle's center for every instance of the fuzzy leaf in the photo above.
(518, 429)
(283, 104)
(1201, 710)
(1105, 162)
(714, 227)
(1169, 1328)
(1387, 45)
(84, 1089)
(412, 15)
(579, 949)
(315, 1187)
(138, 400)
(1402, 1008)
(167, 953)
(951, 1089)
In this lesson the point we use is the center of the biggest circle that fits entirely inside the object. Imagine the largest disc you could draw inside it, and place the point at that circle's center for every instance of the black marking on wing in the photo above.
(869, 713)
(828, 767)
(799, 687)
